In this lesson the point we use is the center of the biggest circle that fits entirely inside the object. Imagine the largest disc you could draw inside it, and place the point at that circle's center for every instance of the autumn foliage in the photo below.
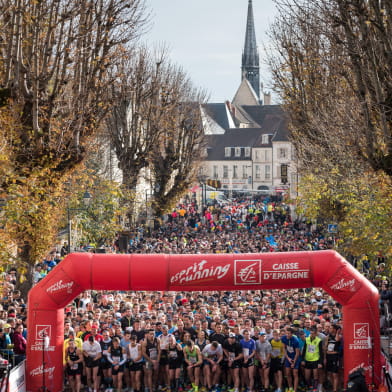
(54, 61)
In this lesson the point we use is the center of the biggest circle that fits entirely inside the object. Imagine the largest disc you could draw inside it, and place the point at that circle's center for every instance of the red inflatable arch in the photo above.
(83, 271)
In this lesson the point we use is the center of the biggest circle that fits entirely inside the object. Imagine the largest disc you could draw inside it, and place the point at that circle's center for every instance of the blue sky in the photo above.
(206, 38)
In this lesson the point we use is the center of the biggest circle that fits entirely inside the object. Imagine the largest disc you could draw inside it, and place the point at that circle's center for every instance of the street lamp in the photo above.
(202, 180)
(86, 201)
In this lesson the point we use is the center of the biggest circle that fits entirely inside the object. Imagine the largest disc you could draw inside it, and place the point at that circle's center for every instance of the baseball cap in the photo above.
(6, 326)
(296, 322)
(95, 326)
(318, 294)
(261, 333)
(231, 335)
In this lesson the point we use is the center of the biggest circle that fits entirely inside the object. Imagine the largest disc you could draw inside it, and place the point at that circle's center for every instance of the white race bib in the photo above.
(153, 353)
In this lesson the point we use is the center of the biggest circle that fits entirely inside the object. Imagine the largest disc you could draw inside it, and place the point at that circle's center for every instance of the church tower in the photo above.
(250, 56)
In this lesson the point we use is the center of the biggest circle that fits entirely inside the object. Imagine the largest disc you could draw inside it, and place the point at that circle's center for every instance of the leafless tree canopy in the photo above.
(54, 59)
(332, 64)
(155, 124)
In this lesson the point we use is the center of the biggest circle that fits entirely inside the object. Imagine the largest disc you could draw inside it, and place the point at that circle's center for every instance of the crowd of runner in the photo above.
(198, 341)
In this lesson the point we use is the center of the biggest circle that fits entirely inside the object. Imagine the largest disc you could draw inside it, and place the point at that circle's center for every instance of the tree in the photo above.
(55, 57)
(331, 65)
(361, 207)
(176, 159)
(155, 126)
(337, 94)
(133, 124)
(99, 222)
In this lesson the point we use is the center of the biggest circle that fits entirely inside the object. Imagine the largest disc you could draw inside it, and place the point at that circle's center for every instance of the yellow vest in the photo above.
(312, 353)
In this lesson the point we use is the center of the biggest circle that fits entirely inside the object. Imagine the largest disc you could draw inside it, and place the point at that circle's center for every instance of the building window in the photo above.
(247, 151)
(237, 151)
(293, 154)
(258, 172)
(225, 172)
(244, 171)
(266, 155)
(267, 172)
(282, 153)
(257, 154)
(264, 139)
(284, 174)
(215, 172)
(235, 171)
(227, 151)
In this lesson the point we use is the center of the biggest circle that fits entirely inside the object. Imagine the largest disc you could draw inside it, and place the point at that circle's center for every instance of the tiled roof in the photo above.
(237, 137)
(272, 120)
(219, 113)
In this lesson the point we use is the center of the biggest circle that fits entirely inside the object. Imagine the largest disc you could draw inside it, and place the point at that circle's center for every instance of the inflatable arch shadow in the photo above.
(83, 271)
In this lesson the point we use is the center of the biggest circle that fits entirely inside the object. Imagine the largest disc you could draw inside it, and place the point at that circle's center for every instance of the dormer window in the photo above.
(247, 151)
(237, 152)
(227, 151)
(264, 139)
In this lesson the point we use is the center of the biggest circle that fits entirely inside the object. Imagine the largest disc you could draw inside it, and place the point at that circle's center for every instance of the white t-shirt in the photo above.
(209, 351)
(92, 349)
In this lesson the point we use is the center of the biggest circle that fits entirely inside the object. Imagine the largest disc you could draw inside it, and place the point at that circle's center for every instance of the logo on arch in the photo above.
(247, 272)
(43, 331)
(344, 284)
(361, 330)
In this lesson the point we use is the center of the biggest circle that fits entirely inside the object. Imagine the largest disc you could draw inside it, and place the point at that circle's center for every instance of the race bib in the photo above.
(192, 359)
(173, 354)
(311, 348)
(153, 353)
(74, 366)
(331, 347)
(231, 356)
(290, 349)
(275, 352)
(245, 351)
(116, 359)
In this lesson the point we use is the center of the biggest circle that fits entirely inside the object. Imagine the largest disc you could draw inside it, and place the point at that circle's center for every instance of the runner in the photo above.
(313, 359)
(233, 352)
(92, 354)
(248, 366)
(105, 367)
(150, 354)
(193, 360)
(135, 356)
(74, 365)
(332, 350)
(117, 357)
(213, 356)
(291, 361)
(263, 354)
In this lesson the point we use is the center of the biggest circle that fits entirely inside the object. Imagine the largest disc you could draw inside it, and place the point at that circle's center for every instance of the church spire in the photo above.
(250, 56)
